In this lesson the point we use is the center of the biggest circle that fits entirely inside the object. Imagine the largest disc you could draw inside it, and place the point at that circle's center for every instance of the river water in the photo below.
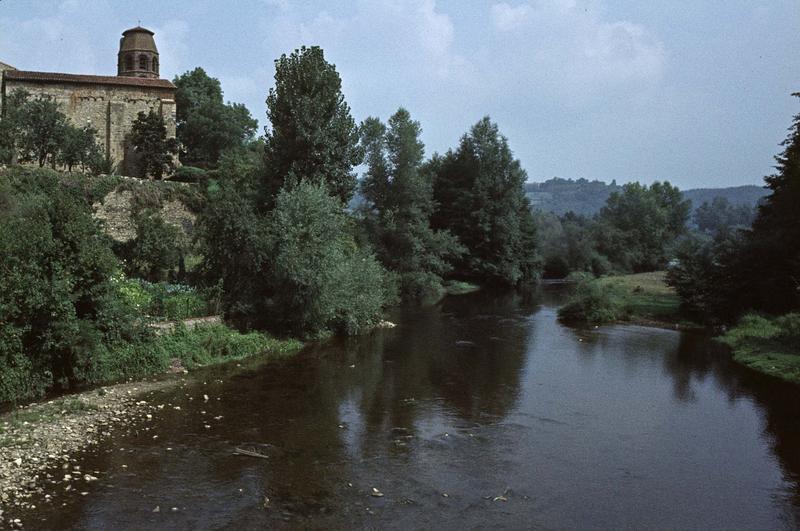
(481, 411)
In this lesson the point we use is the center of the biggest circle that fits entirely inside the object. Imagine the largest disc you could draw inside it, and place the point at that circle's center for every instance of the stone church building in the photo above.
(110, 104)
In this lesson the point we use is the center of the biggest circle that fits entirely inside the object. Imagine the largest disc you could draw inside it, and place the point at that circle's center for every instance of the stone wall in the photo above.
(111, 109)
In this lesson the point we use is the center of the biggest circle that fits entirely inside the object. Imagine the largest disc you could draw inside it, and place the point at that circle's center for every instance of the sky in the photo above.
(694, 92)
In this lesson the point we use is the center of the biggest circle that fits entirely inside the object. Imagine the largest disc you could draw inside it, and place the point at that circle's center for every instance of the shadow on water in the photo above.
(479, 410)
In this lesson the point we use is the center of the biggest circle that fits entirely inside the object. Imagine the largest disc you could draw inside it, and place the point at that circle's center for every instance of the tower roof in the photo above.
(137, 39)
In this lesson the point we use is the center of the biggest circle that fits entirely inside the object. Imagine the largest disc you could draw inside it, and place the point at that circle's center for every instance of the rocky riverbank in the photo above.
(39, 443)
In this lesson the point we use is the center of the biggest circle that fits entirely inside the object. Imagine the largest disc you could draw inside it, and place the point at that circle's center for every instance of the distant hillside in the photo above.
(736, 195)
(588, 197)
(564, 195)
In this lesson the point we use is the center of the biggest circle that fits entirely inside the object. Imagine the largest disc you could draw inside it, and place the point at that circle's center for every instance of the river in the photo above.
(480, 411)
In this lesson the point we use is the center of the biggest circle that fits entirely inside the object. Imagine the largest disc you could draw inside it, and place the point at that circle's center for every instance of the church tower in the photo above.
(138, 55)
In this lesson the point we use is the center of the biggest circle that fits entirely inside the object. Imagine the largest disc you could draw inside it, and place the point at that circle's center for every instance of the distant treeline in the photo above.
(587, 198)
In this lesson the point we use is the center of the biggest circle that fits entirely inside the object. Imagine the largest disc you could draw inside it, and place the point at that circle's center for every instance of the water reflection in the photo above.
(480, 410)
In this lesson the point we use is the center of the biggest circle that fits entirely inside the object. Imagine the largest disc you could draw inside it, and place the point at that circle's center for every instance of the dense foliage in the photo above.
(638, 224)
(312, 134)
(756, 269)
(149, 139)
(720, 214)
(207, 126)
(321, 279)
(480, 199)
(35, 130)
(399, 197)
(58, 305)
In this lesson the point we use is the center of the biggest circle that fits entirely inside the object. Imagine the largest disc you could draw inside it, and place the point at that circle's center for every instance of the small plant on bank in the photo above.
(592, 302)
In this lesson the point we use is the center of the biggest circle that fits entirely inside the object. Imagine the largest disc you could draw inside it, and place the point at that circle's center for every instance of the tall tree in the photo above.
(312, 136)
(206, 125)
(400, 195)
(150, 142)
(774, 245)
(637, 225)
(480, 198)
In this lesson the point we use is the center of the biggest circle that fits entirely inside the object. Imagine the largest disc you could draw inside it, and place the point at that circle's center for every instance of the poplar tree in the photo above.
(400, 195)
(313, 137)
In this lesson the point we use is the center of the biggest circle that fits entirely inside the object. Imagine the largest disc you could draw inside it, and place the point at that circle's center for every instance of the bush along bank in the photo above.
(642, 298)
(768, 345)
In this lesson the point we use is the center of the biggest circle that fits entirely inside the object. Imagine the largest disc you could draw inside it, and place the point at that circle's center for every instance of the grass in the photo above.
(647, 295)
(643, 297)
(199, 346)
(457, 287)
(767, 345)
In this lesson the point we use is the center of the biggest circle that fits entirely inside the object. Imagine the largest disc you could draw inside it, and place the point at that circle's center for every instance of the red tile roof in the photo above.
(52, 77)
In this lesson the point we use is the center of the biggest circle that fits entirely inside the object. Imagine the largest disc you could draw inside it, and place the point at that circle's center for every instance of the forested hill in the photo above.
(748, 195)
(588, 197)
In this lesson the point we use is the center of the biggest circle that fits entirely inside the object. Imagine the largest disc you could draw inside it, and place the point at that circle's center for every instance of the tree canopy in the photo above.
(206, 125)
(312, 135)
(480, 198)
(400, 198)
(150, 142)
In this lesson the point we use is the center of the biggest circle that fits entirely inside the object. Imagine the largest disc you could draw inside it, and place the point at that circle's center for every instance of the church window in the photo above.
(155, 65)
(129, 62)
(142, 62)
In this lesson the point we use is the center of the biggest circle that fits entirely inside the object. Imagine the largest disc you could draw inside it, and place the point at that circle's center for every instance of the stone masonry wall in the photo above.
(111, 109)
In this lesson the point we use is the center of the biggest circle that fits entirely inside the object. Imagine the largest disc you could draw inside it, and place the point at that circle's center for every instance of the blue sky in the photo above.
(694, 92)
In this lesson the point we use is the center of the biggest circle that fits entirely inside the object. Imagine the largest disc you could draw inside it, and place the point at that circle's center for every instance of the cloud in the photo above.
(508, 18)
(173, 48)
(570, 49)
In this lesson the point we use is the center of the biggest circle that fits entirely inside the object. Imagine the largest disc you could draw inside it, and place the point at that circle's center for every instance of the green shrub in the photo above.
(768, 345)
(322, 281)
(189, 174)
(592, 302)
(184, 305)
(58, 303)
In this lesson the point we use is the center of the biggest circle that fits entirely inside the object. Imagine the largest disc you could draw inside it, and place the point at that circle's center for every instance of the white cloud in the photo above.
(173, 49)
(508, 18)
(570, 47)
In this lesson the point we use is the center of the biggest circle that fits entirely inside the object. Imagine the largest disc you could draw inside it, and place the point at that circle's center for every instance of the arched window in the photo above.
(155, 65)
(142, 62)
(129, 62)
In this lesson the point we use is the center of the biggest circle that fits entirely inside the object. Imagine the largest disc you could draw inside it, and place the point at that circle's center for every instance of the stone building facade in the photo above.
(110, 104)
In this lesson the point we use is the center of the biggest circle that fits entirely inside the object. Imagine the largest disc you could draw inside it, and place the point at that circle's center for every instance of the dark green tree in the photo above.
(400, 198)
(42, 131)
(57, 301)
(773, 250)
(480, 198)
(206, 125)
(312, 134)
(150, 142)
(720, 214)
(637, 226)
(11, 125)
(78, 147)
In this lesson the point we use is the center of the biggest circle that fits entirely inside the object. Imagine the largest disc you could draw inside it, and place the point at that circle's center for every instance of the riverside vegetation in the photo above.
(734, 269)
(278, 250)
(273, 245)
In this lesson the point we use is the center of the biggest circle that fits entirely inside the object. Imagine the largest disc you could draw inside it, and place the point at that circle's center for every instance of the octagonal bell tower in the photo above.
(138, 55)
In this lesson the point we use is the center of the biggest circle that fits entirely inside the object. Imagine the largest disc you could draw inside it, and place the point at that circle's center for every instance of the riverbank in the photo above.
(770, 346)
(40, 437)
(643, 298)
